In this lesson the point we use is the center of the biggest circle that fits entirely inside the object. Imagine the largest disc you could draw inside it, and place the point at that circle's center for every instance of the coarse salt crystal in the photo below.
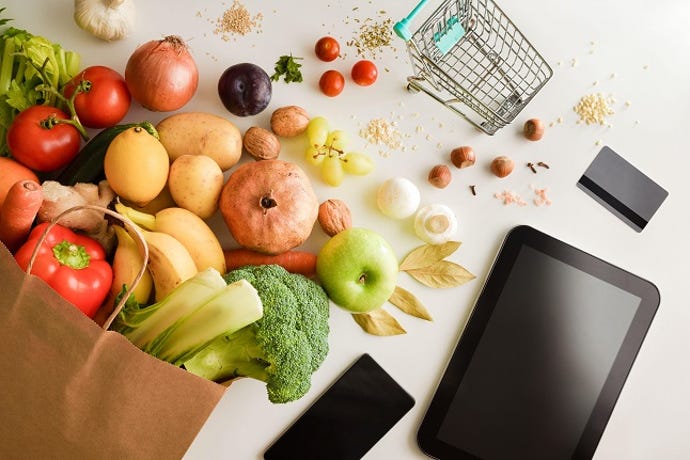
(510, 197)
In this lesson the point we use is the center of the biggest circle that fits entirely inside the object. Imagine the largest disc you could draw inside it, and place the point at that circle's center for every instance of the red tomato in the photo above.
(364, 73)
(38, 140)
(104, 100)
(327, 49)
(332, 83)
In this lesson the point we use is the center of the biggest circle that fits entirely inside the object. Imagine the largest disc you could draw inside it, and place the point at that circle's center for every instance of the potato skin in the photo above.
(201, 133)
(195, 182)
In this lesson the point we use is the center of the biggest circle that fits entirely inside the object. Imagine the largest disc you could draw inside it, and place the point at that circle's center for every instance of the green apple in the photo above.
(358, 269)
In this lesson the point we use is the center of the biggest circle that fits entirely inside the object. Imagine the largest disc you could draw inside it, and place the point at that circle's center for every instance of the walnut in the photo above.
(261, 143)
(289, 121)
(334, 216)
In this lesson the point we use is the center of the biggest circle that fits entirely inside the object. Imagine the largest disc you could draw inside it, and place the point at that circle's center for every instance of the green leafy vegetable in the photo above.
(190, 317)
(288, 68)
(284, 347)
(30, 64)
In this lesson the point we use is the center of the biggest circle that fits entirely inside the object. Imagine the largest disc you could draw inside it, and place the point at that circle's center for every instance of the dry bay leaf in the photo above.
(428, 254)
(378, 322)
(408, 303)
(442, 274)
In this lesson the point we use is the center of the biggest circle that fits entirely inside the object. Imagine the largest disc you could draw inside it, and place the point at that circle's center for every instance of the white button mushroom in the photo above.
(435, 223)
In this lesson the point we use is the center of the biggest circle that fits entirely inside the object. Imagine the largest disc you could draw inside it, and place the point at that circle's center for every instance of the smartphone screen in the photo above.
(348, 419)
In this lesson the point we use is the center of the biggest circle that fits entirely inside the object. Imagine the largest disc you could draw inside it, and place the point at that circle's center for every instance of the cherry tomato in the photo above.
(332, 83)
(364, 73)
(105, 99)
(327, 49)
(39, 141)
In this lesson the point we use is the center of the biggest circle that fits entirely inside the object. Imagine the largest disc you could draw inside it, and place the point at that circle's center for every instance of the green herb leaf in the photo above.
(288, 68)
(442, 274)
(428, 254)
(408, 303)
(378, 322)
(4, 21)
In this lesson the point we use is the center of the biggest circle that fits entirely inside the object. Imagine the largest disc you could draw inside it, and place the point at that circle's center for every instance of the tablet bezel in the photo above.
(427, 436)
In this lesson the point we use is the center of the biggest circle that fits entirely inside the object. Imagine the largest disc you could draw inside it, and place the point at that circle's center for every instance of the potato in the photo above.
(199, 133)
(195, 183)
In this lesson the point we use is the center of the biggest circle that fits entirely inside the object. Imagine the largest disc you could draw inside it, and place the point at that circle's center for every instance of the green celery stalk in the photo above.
(7, 65)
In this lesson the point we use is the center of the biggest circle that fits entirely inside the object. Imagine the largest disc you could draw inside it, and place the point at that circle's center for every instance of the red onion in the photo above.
(161, 74)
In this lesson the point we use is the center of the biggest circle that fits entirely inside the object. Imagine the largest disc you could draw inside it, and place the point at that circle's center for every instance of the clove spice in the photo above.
(473, 189)
(543, 165)
(531, 166)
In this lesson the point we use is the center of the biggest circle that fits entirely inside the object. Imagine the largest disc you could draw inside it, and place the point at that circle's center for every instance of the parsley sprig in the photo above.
(288, 68)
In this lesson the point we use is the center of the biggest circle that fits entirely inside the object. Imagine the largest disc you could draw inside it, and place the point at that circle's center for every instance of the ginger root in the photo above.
(59, 198)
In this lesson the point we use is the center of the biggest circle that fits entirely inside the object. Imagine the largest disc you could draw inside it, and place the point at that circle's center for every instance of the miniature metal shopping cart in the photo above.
(470, 57)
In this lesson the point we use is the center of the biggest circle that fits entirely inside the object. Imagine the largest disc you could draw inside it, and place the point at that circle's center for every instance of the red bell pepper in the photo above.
(72, 264)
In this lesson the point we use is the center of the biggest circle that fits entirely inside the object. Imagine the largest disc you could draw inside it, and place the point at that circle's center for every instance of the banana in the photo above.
(191, 230)
(127, 262)
(186, 227)
(169, 263)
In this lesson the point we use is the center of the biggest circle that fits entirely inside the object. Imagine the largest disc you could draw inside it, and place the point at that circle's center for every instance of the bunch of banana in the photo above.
(127, 262)
(180, 245)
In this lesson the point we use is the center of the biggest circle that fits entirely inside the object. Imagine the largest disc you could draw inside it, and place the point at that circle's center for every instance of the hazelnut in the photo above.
(440, 176)
(502, 165)
(289, 121)
(462, 157)
(534, 129)
(334, 216)
(261, 143)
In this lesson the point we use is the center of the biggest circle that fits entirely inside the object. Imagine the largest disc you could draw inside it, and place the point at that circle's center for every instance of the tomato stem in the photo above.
(51, 89)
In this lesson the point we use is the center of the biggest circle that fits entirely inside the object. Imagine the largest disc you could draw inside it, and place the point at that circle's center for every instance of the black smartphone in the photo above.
(349, 418)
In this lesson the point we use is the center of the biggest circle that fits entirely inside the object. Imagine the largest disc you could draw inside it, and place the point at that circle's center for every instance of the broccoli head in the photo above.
(284, 347)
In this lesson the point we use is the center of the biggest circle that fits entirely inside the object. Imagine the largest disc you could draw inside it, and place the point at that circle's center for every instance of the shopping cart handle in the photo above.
(402, 28)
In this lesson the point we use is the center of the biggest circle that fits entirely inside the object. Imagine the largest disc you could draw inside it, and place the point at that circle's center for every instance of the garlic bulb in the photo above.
(106, 19)
(398, 198)
(435, 223)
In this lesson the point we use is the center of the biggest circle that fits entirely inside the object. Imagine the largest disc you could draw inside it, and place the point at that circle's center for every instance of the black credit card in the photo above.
(622, 188)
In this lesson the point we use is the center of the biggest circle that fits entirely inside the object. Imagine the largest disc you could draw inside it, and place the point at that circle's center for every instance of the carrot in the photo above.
(18, 212)
(12, 171)
(301, 262)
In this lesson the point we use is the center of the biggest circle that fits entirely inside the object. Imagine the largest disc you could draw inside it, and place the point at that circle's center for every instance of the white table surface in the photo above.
(636, 51)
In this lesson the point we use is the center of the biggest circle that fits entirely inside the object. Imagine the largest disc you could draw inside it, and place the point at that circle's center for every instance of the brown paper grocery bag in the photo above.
(70, 390)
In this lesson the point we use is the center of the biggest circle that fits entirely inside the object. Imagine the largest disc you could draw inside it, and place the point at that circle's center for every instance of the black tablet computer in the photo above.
(543, 357)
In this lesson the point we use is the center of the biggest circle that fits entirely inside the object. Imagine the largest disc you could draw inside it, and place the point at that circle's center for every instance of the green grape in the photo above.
(337, 140)
(332, 171)
(317, 131)
(312, 156)
(357, 163)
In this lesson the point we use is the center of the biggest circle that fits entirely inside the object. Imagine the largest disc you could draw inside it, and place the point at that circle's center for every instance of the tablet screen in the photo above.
(538, 367)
